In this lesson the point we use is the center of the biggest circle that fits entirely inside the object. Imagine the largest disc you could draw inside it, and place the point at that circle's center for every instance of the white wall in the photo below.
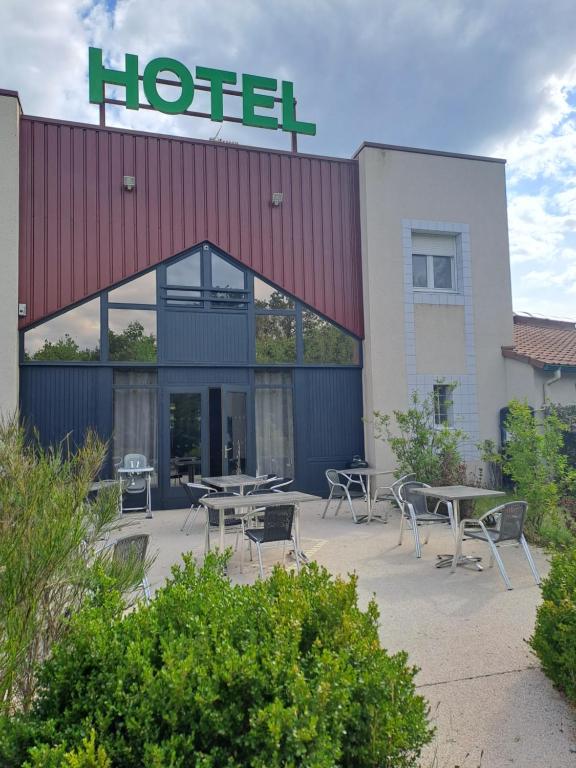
(524, 382)
(404, 191)
(9, 226)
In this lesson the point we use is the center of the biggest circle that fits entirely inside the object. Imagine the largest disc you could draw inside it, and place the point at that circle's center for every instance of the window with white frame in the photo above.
(443, 411)
(433, 262)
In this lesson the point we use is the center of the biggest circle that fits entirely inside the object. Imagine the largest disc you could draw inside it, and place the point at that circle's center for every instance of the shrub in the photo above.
(554, 639)
(535, 460)
(48, 537)
(286, 672)
(429, 451)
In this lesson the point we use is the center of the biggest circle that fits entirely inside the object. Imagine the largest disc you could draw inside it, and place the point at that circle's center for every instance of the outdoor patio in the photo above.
(492, 705)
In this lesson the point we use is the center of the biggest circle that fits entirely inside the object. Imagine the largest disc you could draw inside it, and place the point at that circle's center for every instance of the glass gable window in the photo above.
(132, 335)
(142, 290)
(268, 297)
(186, 271)
(73, 335)
(324, 342)
(275, 339)
(226, 275)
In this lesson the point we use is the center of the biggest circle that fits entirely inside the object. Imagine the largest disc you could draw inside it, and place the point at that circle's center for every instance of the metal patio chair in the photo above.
(339, 490)
(133, 548)
(281, 484)
(509, 530)
(135, 483)
(195, 492)
(389, 493)
(232, 523)
(415, 513)
(277, 528)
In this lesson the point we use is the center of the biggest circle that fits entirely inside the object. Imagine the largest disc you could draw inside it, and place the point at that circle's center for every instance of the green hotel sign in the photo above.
(258, 93)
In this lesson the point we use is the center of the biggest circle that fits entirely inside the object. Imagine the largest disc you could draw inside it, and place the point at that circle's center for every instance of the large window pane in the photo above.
(443, 272)
(135, 425)
(275, 339)
(74, 335)
(419, 271)
(268, 297)
(274, 429)
(185, 437)
(324, 342)
(132, 334)
(187, 271)
(225, 275)
(139, 291)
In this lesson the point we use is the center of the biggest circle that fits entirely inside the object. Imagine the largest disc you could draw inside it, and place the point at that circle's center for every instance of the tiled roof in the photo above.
(543, 342)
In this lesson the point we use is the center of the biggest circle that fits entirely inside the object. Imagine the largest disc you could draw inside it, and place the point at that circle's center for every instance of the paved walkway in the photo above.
(492, 706)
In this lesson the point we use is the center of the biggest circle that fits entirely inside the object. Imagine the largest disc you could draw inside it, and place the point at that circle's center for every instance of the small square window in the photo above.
(443, 405)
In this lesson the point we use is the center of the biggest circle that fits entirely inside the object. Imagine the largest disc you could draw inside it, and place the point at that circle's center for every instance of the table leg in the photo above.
(207, 532)
(369, 497)
(120, 510)
(445, 561)
(222, 529)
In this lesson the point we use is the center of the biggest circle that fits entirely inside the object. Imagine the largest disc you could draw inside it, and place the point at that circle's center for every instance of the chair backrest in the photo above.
(512, 516)
(282, 482)
(131, 548)
(214, 514)
(195, 491)
(265, 484)
(278, 523)
(418, 502)
(134, 461)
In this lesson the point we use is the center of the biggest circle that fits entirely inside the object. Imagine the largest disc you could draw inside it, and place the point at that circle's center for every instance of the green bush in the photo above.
(554, 639)
(287, 672)
(535, 461)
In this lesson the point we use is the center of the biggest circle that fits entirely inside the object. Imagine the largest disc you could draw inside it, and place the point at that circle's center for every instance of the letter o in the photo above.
(152, 71)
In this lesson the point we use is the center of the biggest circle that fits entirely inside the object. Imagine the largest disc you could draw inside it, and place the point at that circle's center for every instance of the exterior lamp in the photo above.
(129, 182)
(277, 198)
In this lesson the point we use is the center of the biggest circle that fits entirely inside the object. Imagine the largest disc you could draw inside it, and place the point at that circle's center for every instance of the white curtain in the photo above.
(135, 425)
(274, 427)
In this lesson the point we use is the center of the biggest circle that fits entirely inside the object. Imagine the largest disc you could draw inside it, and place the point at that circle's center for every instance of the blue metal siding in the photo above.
(204, 337)
(327, 423)
(61, 401)
(192, 377)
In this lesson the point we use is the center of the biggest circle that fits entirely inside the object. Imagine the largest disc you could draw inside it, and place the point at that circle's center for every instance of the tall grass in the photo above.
(51, 558)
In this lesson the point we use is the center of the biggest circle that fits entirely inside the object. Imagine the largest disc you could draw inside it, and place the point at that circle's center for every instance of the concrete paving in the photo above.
(491, 704)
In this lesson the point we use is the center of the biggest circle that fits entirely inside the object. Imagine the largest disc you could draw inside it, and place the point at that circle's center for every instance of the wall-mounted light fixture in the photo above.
(277, 198)
(129, 182)
(22, 310)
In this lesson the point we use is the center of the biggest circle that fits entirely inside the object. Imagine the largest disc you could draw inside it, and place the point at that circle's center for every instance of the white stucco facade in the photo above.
(416, 337)
(9, 229)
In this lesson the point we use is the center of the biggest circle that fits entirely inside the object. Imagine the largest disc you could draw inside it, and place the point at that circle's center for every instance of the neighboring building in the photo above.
(541, 362)
(207, 321)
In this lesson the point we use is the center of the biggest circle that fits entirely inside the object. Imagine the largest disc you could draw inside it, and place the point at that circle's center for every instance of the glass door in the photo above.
(235, 450)
(186, 453)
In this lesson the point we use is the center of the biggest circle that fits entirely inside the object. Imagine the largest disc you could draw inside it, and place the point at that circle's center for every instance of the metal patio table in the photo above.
(455, 494)
(126, 471)
(232, 481)
(368, 473)
(245, 505)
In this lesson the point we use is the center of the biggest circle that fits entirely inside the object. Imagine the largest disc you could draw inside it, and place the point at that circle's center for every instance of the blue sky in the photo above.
(489, 77)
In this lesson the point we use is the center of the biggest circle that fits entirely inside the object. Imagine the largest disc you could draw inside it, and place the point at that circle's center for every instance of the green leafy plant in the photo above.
(49, 563)
(430, 451)
(287, 672)
(88, 755)
(554, 638)
(535, 460)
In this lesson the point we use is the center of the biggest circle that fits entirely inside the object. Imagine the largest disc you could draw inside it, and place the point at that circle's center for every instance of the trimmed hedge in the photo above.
(287, 672)
(554, 639)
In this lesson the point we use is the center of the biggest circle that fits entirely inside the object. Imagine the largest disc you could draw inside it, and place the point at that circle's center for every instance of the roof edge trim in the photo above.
(417, 151)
